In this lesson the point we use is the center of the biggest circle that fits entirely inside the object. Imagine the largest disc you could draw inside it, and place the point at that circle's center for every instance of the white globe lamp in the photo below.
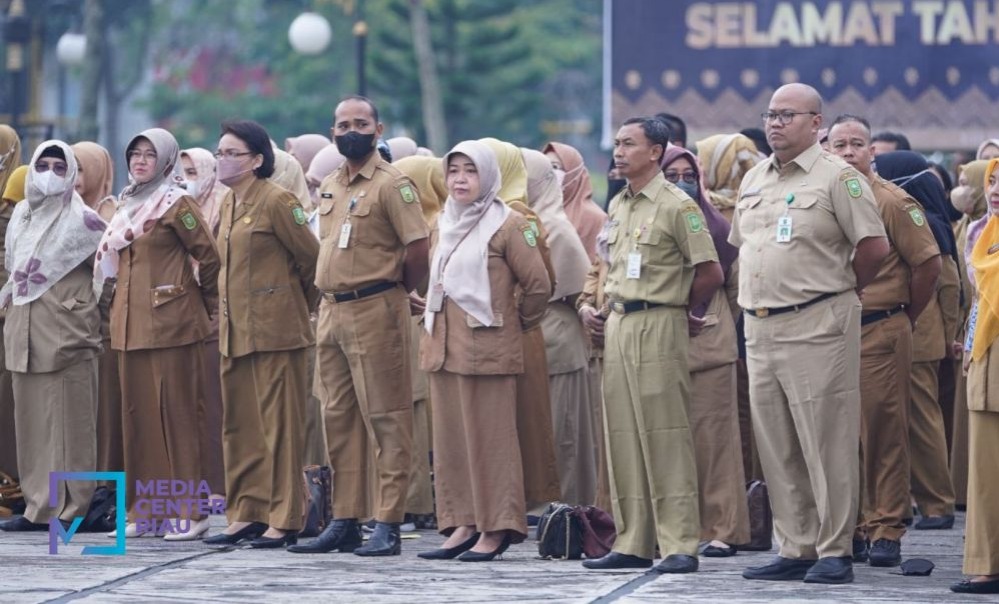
(310, 33)
(71, 49)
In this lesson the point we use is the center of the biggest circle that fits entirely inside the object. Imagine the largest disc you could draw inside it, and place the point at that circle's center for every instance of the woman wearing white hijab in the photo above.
(52, 337)
(482, 254)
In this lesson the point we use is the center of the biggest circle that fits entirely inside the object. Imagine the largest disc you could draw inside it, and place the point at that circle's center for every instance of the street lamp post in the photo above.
(361, 35)
(17, 33)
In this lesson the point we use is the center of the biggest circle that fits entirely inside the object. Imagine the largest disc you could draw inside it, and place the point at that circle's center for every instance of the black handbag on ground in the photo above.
(761, 518)
(102, 514)
(560, 536)
(317, 509)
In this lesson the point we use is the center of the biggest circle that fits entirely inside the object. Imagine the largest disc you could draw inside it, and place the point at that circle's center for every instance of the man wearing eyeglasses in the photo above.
(810, 239)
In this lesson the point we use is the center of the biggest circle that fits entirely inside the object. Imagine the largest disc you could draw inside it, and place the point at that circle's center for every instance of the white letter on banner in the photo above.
(859, 26)
(887, 13)
(817, 28)
(784, 26)
(728, 17)
(699, 26)
(927, 10)
(986, 20)
(955, 24)
(750, 29)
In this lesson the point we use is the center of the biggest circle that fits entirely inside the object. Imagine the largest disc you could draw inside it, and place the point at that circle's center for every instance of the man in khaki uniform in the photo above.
(800, 216)
(662, 262)
(891, 305)
(373, 250)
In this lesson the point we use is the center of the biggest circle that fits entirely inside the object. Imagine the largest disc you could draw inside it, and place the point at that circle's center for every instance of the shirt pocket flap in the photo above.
(167, 293)
(362, 207)
(474, 323)
(612, 234)
(326, 206)
(649, 236)
(803, 202)
(71, 303)
(749, 200)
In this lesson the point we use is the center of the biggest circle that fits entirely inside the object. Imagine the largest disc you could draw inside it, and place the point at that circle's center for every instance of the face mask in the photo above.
(192, 188)
(961, 199)
(355, 145)
(560, 177)
(230, 170)
(904, 180)
(48, 183)
(690, 188)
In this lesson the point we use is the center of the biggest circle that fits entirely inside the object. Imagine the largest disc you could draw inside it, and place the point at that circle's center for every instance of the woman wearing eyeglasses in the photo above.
(159, 319)
(267, 286)
(52, 337)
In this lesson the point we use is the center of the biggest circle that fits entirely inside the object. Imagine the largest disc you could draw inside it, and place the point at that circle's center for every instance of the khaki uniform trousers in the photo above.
(313, 429)
(959, 442)
(653, 474)
(8, 439)
(596, 375)
(56, 423)
(885, 361)
(931, 485)
(211, 424)
(110, 449)
(804, 383)
(981, 533)
(364, 383)
(263, 397)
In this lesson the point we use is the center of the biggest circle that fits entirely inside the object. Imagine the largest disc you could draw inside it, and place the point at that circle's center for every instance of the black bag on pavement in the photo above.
(761, 518)
(560, 535)
(317, 509)
(102, 513)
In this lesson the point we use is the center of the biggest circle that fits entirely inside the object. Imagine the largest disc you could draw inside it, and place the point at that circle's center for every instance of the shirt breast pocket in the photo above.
(805, 214)
(325, 216)
(362, 223)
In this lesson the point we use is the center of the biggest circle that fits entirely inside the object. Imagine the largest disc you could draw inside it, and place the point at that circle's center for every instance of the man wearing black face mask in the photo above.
(373, 251)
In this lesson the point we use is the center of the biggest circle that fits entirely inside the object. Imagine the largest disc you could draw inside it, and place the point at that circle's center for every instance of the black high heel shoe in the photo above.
(449, 553)
(289, 538)
(250, 531)
(471, 556)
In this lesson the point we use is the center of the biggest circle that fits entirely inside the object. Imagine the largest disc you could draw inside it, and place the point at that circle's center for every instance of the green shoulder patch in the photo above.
(530, 237)
(694, 222)
(190, 222)
(408, 195)
(299, 214)
(917, 217)
(853, 187)
(533, 222)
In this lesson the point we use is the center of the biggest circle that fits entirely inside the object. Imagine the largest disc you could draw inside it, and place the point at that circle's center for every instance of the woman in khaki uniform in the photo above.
(266, 285)
(10, 159)
(482, 252)
(159, 319)
(714, 417)
(981, 544)
(52, 337)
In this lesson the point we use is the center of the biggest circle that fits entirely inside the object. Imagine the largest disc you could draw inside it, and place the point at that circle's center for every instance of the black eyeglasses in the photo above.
(689, 177)
(784, 117)
(59, 167)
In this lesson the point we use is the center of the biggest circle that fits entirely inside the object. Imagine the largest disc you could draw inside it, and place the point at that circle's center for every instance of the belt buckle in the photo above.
(618, 307)
(762, 313)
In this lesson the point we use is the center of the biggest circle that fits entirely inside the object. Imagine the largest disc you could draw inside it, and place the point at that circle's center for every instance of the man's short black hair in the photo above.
(759, 138)
(844, 118)
(901, 142)
(257, 141)
(677, 127)
(363, 99)
(654, 129)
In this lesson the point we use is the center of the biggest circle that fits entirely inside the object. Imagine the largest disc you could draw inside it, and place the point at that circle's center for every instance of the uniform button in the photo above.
(225, 312)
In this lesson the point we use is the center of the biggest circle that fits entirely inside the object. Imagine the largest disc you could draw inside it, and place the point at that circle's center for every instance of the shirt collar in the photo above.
(805, 160)
(367, 170)
(650, 189)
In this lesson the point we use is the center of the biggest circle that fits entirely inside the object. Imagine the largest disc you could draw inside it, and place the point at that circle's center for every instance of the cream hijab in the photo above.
(401, 147)
(461, 259)
(288, 175)
(210, 191)
(544, 196)
(94, 163)
(304, 148)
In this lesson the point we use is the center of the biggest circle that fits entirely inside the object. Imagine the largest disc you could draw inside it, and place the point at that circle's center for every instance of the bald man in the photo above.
(810, 239)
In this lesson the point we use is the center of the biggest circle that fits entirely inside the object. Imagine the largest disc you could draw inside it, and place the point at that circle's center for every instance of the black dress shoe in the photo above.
(935, 523)
(617, 560)
(886, 552)
(976, 587)
(261, 542)
(342, 535)
(781, 569)
(448, 553)
(471, 556)
(677, 564)
(384, 541)
(713, 551)
(831, 570)
(250, 531)
(860, 551)
(22, 524)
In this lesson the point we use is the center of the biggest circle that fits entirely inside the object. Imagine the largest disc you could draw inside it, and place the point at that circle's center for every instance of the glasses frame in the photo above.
(145, 155)
(784, 117)
(682, 176)
(62, 167)
(232, 154)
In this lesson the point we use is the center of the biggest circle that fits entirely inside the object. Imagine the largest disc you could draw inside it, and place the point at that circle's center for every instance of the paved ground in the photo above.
(157, 571)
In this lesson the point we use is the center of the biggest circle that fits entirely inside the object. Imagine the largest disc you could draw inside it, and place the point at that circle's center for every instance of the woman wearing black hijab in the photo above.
(935, 329)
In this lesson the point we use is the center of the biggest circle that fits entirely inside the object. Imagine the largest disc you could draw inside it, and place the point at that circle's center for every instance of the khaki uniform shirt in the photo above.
(60, 328)
(831, 209)
(268, 270)
(911, 244)
(381, 206)
(157, 301)
(462, 345)
(668, 229)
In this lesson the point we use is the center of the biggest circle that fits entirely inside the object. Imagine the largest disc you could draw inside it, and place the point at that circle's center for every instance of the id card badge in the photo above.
(634, 265)
(435, 298)
(784, 229)
(344, 236)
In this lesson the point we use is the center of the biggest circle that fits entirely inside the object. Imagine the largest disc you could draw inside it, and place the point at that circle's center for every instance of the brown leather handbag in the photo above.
(761, 518)
(11, 497)
(317, 508)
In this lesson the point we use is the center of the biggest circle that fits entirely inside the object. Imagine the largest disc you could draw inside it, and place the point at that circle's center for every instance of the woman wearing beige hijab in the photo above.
(305, 147)
(482, 253)
(401, 147)
(95, 177)
(725, 159)
(10, 159)
(289, 175)
(566, 348)
(577, 194)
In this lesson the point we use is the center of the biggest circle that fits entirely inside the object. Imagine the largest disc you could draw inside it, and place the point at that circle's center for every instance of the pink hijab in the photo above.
(304, 148)
(210, 191)
(577, 194)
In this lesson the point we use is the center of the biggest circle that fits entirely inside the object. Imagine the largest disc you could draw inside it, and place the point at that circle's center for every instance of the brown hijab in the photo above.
(577, 195)
(95, 164)
(10, 153)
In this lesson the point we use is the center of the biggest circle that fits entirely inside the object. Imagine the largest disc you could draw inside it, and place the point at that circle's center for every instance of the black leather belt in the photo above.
(623, 308)
(762, 313)
(357, 294)
(879, 315)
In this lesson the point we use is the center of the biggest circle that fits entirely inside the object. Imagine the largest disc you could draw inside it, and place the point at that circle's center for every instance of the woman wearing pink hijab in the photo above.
(577, 194)
(304, 148)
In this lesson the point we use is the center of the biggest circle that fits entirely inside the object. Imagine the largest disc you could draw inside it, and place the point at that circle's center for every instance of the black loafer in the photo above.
(781, 569)
(250, 531)
(935, 523)
(831, 570)
(886, 552)
(343, 535)
(713, 551)
(449, 553)
(286, 539)
(384, 541)
(860, 551)
(677, 564)
(617, 560)
(22, 524)
(976, 587)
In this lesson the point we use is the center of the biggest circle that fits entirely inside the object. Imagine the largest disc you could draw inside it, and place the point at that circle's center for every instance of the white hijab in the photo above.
(50, 234)
(461, 260)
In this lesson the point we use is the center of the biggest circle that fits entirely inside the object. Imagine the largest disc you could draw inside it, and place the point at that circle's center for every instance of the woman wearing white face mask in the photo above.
(52, 337)
(198, 167)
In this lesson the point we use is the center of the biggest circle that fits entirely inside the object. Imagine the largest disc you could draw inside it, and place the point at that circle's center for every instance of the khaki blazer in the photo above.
(268, 271)
(462, 345)
(60, 328)
(157, 301)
